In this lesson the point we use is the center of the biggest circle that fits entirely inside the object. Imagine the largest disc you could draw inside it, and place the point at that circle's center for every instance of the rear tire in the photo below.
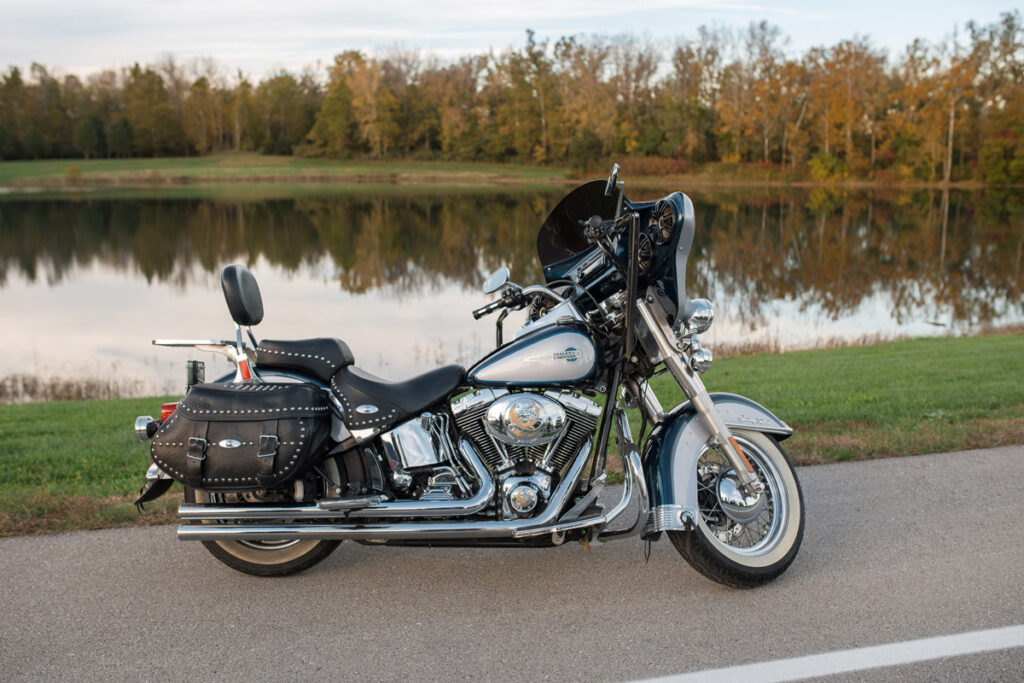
(264, 558)
(751, 555)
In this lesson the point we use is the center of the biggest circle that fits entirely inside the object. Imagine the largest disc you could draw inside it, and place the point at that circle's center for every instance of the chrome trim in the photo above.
(565, 309)
(142, 423)
(410, 445)
(541, 289)
(670, 518)
(634, 480)
(525, 419)
(424, 530)
(155, 472)
(698, 315)
(653, 315)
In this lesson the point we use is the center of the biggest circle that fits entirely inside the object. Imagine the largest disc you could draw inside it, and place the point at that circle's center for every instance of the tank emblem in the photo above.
(570, 355)
(367, 409)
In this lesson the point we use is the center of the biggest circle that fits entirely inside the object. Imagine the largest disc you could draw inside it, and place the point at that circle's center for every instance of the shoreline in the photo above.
(254, 169)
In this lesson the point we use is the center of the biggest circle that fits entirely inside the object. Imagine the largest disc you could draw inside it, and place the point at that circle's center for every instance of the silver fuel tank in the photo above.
(553, 355)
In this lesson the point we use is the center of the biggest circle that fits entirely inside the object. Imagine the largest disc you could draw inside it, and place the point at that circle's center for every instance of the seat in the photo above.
(317, 358)
(370, 401)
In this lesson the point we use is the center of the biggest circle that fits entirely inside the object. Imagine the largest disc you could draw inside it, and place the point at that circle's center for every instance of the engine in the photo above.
(526, 439)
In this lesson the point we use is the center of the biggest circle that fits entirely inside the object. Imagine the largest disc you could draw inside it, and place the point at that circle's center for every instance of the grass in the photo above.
(248, 166)
(76, 464)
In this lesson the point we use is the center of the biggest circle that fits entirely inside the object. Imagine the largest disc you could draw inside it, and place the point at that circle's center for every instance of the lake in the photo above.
(88, 278)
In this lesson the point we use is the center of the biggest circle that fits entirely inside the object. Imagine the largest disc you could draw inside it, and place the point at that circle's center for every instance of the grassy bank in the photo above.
(74, 465)
(249, 167)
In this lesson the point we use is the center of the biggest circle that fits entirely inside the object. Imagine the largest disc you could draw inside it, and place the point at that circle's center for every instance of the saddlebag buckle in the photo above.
(268, 446)
(197, 448)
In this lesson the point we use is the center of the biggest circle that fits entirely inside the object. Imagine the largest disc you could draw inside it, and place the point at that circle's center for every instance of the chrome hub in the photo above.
(739, 506)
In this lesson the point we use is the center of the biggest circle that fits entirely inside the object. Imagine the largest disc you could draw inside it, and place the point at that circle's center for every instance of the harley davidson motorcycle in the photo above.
(300, 449)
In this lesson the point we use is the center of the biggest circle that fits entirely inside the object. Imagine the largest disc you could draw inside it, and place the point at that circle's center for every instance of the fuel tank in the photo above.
(563, 355)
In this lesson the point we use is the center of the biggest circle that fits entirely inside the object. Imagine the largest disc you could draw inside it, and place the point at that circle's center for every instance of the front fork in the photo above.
(655, 319)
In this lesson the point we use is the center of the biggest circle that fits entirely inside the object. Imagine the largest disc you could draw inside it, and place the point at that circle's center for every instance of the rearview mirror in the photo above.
(612, 179)
(496, 280)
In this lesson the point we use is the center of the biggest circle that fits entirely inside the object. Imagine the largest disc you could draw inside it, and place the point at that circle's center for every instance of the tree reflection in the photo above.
(956, 257)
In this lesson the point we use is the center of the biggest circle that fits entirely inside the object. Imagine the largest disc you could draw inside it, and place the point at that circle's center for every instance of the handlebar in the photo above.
(596, 229)
(488, 309)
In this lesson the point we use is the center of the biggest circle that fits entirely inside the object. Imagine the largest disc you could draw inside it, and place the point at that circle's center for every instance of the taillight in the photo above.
(167, 409)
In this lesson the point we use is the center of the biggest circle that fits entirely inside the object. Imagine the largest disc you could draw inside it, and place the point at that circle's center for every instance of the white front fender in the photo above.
(672, 450)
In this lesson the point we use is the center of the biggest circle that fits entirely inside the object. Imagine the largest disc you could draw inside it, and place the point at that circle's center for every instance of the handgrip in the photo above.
(489, 308)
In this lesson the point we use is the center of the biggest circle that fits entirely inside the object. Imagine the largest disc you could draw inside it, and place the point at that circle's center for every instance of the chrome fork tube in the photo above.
(693, 387)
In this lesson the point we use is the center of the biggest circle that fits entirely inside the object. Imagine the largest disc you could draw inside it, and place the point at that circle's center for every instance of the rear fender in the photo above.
(671, 453)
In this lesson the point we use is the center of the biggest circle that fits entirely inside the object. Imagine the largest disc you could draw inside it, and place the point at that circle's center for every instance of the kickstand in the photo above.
(647, 551)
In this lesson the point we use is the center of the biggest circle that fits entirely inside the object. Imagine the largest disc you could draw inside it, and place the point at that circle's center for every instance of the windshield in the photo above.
(561, 235)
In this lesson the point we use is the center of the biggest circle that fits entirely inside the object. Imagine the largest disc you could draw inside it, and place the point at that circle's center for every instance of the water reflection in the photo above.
(806, 265)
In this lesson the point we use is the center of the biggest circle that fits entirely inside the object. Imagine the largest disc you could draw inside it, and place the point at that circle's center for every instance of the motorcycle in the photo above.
(299, 449)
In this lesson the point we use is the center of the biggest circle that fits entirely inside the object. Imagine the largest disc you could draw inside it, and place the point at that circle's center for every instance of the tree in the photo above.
(120, 139)
(88, 136)
(8, 145)
(155, 129)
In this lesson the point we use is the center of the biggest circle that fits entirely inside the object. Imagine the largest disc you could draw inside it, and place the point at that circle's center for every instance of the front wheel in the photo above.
(737, 546)
(264, 558)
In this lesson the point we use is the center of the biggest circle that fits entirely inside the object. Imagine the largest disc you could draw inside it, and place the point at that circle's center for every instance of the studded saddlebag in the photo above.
(241, 437)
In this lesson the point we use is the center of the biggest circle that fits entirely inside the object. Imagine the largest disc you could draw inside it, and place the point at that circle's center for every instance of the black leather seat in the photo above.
(318, 358)
(370, 401)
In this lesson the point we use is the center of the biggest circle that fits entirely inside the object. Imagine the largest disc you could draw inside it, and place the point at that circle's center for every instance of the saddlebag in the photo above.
(242, 437)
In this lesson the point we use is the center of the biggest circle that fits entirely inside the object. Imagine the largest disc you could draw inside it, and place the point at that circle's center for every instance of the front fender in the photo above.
(671, 453)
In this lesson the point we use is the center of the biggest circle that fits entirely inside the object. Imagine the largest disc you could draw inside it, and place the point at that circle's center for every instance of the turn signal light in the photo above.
(167, 409)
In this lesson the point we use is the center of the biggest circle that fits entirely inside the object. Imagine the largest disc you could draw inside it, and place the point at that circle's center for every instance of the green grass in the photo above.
(250, 166)
(898, 398)
(77, 464)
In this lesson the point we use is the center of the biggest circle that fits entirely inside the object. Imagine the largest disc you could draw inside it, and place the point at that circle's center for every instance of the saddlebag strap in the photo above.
(196, 451)
(268, 449)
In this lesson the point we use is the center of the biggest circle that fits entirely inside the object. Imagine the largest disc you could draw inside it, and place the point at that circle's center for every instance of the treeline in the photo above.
(948, 111)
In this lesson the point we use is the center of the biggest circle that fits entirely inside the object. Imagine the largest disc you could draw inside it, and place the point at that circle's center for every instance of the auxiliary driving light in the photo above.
(700, 361)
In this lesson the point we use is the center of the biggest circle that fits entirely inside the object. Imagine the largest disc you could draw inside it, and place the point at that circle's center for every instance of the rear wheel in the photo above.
(737, 546)
(264, 558)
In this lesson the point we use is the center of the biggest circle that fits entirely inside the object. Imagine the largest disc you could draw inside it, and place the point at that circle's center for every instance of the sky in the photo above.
(261, 36)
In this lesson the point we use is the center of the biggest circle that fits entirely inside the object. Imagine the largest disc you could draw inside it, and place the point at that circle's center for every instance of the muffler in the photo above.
(425, 530)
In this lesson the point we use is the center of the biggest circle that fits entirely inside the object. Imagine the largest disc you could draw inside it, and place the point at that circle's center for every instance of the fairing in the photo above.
(562, 247)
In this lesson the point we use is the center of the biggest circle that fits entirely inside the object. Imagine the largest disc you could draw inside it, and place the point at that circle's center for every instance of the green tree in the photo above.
(155, 129)
(88, 136)
(8, 145)
(120, 139)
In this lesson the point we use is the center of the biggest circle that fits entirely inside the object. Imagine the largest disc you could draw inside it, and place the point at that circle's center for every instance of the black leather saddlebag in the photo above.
(241, 437)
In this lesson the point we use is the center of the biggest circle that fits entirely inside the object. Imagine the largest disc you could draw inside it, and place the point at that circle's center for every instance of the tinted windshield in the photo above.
(561, 235)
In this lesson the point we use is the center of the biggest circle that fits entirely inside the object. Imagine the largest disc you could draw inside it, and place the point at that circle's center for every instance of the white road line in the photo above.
(859, 659)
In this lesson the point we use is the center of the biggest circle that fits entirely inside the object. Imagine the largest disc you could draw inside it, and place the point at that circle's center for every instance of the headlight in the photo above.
(698, 316)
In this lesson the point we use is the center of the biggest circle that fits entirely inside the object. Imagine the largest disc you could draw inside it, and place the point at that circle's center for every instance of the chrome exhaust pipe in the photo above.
(325, 510)
(398, 531)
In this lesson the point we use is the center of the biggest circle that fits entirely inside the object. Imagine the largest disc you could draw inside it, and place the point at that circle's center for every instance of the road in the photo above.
(894, 550)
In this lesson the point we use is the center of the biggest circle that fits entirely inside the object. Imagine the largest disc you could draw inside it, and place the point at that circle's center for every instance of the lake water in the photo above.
(87, 279)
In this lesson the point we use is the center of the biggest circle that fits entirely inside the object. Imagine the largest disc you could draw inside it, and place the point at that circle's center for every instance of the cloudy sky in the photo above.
(259, 36)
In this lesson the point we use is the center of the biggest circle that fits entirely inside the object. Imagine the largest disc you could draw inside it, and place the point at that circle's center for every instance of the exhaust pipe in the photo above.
(382, 531)
(373, 507)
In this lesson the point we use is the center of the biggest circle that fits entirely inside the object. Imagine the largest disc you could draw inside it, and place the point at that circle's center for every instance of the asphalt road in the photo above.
(894, 550)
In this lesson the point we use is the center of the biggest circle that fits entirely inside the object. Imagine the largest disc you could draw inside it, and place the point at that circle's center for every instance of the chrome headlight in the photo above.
(700, 361)
(698, 316)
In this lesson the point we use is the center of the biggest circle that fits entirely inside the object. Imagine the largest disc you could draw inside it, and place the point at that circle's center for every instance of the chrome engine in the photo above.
(526, 440)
